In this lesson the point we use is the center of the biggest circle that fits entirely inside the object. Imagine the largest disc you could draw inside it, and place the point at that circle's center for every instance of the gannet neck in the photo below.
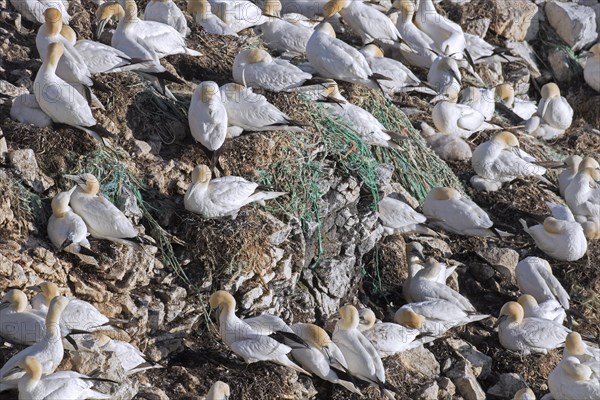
(432, 269)
(57, 305)
(334, 6)
(60, 204)
(349, 318)
(201, 7)
(513, 311)
(33, 368)
(368, 317)
(407, 10)
(573, 368)
(55, 52)
(109, 10)
(506, 93)
(409, 318)
(68, 33)
(574, 344)
(49, 290)
(272, 8)
(52, 21)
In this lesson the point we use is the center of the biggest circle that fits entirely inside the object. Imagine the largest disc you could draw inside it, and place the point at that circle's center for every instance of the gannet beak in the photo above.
(35, 288)
(70, 191)
(76, 178)
(13, 370)
(516, 151)
(499, 321)
(101, 25)
(4, 305)
(391, 11)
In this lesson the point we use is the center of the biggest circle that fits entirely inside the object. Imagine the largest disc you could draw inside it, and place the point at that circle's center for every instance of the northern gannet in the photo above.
(573, 380)
(366, 21)
(447, 35)
(33, 10)
(363, 360)
(322, 358)
(257, 69)
(434, 317)
(26, 110)
(103, 219)
(524, 109)
(243, 340)
(444, 75)
(69, 385)
(398, 217)
(448, 209)
(549, 309)
(202, 12)
(528, 335)
(167, 12)
(425, 286)
(49, 351)
(221, 197)
(586, 354)
(59, 100)
(66, 230)
(415, 260)
(451, 117)
(252, 112)
(524, 394)
(581, 195)
(563, 240)
(480, 99)
(591, 72)
(218, 391)
(17, 324)
(238, 14)
(500, 160)
(207, 118)
(401, 78)
(554, 114)
(388, 338)
(131, 358)
(448, 147)
(335, 59)
(566, 175)
(534, 277)
(281, 34)
(78, 315)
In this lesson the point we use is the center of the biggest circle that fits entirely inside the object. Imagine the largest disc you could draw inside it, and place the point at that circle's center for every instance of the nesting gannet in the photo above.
(335, 59)
(17, 324)
(363, 360)
(59, 385)
(550, 309)
(534, 277)
(202, 13)
(576, 347)
(256, 68)
(78, 315)
(448, 209)
(59, 100)
(573, 380)
(591, 72)
(453, 118)
(221, 197)
(252, 112)
(243, 340)
(26, 110)
(581, 195)
(500, 160)
(218, 391)
(281, 34)
(322, 358)
(434, 317)
(591, 229)
(238, 14)
(528, 335)
(554, 114)
(33, 10)
(49, 350)
(424, 47)
(414, 260)
(524, 109)
(524, 394)
(66, 230)
(401, 79)
(71, 66)
(103, 219)
(447, 146)
(444, 75)
(566, 175)
(447, 35)
(563, 240)
(398, 217)
(480, 99)
(366, 21)
(388, 338)
(131, 358)
(425, 286)
(167, 12)
(207, 118)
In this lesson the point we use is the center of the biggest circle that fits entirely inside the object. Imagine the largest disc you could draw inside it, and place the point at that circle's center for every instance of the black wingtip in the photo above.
(285, 338)
(167, 76)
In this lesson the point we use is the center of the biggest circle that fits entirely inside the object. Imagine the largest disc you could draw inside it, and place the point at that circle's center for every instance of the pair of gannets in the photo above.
(363, 359)
(253, 344)
(444, 75)
(33, 10)
(585, 353)
(67, 230)
(500, 160)
(554, 114)
(167, 12)
(560, 236)
(453, 212)
(528, 334)
(398, 217)
(388, 338)
(524, 109)
(415, 259)
(534, 278)
(447, 146)
(581, 195)
(453, 118)
(480, 99)
(221, 197)
(571, 169)
(17, 323)
(202, 12)
(447, 35)
(591, 72)
(257, 69)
